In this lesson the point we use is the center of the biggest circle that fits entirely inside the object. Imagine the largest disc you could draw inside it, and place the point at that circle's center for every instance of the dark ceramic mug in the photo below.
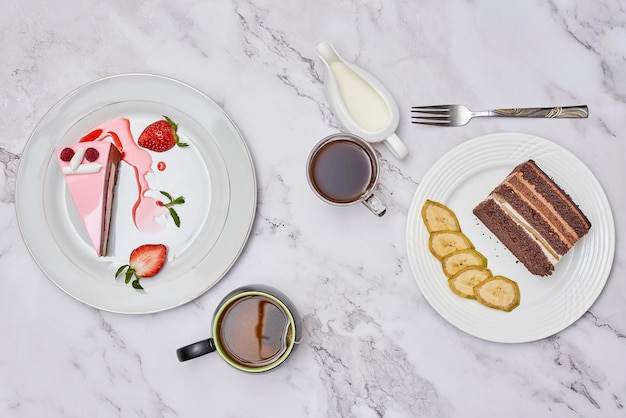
(255, 329)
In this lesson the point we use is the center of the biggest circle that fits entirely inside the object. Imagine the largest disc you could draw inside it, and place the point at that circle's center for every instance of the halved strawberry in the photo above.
(145, 261)
(160, 136)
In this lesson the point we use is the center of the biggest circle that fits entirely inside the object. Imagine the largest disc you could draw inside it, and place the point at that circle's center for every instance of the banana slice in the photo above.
(460, 259)
(466, 268)
(463, 282)
(438, 217)
(498, 292)
(442, 243)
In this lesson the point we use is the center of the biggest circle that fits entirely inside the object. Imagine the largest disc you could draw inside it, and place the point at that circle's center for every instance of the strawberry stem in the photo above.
(120, 270)
(128, 276)
(174, 126)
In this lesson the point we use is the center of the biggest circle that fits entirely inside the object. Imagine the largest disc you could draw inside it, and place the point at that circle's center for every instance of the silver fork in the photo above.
(459, 115)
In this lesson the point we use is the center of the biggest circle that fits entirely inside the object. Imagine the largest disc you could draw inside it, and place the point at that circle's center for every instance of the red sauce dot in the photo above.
(91, 136)
(161, 166)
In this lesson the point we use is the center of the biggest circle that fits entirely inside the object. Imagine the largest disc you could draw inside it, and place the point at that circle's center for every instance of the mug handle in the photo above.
(396, 146)
(374, 204)
(196, 349)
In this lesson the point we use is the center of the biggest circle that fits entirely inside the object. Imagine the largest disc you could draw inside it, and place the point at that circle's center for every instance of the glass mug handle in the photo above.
(196, 349)
(374, 204)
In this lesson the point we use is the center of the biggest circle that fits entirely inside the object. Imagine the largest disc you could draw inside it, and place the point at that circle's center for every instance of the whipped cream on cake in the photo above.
(533, 217)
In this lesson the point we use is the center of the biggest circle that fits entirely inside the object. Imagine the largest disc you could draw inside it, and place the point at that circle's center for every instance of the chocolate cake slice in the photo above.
(533, 217)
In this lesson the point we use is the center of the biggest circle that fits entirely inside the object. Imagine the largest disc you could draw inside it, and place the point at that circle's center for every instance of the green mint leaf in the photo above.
(178, 201)
(175, 217)
(166, 194)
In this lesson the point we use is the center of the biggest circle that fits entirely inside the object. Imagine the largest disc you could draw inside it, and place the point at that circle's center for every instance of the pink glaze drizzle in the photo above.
(145, 209)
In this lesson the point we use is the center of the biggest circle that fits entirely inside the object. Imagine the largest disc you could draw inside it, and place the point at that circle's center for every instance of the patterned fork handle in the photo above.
(544, 112)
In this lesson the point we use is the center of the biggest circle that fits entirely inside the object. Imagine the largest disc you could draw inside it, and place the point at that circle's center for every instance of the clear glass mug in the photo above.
(342, 169)
(255, 329)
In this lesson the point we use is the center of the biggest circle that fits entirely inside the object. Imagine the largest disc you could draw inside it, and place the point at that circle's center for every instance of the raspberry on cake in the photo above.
(533, 217)
(90, 172)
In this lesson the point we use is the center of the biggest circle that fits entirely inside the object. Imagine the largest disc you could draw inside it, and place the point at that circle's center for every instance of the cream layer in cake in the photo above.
(533, 217)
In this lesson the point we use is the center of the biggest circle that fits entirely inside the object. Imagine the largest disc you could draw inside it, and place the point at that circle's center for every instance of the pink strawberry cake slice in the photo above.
(90, 171)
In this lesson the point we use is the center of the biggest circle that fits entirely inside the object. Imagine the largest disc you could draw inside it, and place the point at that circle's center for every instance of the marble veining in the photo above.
(372, 346)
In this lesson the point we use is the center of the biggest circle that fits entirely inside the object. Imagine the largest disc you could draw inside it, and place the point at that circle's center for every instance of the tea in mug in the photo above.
(341, 171)
(254, 331)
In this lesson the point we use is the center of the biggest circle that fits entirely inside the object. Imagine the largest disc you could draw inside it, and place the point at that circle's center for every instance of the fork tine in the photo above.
(435, 116)
(438, 115)
(445, 123)
(442, 110)
(425, 120)
(440, 118)
(431, 107)
(428, 111)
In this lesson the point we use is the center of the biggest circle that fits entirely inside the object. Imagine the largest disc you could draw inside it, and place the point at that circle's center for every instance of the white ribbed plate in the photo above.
(461, 179)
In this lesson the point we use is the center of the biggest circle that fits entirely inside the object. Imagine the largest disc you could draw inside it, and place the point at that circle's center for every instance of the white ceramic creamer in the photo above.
(361, 103)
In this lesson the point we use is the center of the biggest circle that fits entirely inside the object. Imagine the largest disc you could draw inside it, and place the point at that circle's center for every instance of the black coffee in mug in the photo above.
(341, 171)
(254, 331)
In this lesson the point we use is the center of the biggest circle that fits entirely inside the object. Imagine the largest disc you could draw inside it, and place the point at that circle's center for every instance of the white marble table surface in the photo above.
(373, 346)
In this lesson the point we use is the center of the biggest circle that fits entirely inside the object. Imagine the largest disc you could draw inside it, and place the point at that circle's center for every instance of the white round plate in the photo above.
(461, 179)
(215, 174)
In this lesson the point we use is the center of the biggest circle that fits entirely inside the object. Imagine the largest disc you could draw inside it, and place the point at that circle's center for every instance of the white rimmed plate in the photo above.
(461, 179)
(215, 174)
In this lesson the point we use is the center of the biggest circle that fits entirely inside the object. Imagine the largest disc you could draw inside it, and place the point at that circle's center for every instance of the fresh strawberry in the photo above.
(145, 261)
(160, 136)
